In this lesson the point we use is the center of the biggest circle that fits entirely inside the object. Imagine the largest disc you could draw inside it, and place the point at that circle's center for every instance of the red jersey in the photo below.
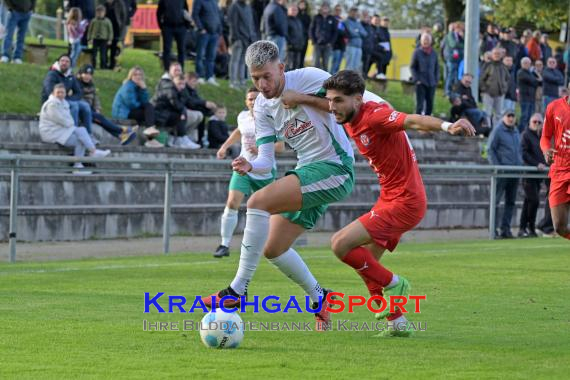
(378, 131)
(557, 125)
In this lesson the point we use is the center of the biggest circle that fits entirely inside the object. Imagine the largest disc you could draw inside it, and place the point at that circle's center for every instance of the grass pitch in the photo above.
(494, 310)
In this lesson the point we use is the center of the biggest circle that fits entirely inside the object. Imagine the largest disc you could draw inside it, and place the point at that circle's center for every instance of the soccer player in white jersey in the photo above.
(241, 186)
(324, 174)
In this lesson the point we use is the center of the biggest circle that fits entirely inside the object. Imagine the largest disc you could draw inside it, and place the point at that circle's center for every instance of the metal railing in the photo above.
(16, 164)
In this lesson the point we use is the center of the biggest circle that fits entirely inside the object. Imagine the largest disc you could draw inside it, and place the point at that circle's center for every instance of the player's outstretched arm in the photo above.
(292, 99)
(433, 124)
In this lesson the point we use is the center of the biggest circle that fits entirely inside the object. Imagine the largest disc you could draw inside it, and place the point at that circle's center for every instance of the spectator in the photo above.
(242, 34)
(118, 15)
(173, 25)
(454, 55)
(89, 94)
(323, 34)
(224, 7)
(274, 25)
(531, 156)
(258, 6)
(295, 39)
(100, 35)
(506, 42)
(538, 70)
(132, 102)
(208, 20)
(305, 16)
(19, 15)
(464, 105)
(490, 39)
(533, 46)
(170, 112)
(527, 82)
(545, 48)
(57, 126)
(3, 19)
(87, 11)
(504, 148)
(60, 72)
(522, 49)
(368, 43)
(193, 101)
(510, 100)
(131, 7)
(218, 128)
(494, 84)
(552, 80)
(425, 74)
(383, 48)
(76, 27)
(356, 33)
(339, 43)
(559, 56)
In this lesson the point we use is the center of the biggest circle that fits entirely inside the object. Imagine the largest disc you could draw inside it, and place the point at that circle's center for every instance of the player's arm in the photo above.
(263, 163)
(546, 139)
(433, 124)
(232, 139)
(279, 147)
(292, 99)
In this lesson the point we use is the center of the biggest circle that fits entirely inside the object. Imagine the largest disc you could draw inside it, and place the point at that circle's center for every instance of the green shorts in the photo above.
(322, 183)
(247, 185)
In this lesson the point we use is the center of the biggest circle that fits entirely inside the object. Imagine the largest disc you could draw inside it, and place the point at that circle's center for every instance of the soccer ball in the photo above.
(221, 330)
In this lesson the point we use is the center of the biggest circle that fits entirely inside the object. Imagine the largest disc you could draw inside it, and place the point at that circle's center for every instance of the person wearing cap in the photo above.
(506, 42)
(504, 148)
(89, 94)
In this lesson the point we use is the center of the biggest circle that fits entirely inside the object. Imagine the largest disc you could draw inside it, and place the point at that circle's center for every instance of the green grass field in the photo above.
(494, 310)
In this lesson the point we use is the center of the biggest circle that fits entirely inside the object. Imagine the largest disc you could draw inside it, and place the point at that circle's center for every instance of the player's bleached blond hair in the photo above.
(261, 52)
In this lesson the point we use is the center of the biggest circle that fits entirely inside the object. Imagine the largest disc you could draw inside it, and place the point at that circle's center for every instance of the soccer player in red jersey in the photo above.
(557, 126)
(378, 131)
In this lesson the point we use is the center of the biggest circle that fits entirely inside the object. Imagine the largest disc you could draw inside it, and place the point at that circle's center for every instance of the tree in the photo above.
(453, 10)
(544, 14)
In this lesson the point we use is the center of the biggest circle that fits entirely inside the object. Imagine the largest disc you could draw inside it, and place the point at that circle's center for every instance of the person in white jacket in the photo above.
(57, 126)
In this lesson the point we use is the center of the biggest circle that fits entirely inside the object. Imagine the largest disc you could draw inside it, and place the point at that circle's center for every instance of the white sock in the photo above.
(395, 280)
(229, 223)
(254, 238)
(293, 266)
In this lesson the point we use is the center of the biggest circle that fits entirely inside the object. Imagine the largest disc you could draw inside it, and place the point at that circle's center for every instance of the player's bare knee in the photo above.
(338, 245)
(271, 252)
(257, 201)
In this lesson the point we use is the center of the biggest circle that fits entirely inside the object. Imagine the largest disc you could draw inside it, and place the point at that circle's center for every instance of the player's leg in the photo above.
(229, 222)
(560, 218)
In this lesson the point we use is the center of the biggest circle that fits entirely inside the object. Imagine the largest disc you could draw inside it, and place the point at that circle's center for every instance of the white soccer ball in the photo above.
(221, 330)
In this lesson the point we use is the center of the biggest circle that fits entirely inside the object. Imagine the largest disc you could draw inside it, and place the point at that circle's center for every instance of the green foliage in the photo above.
(411, 14)
(544, 14)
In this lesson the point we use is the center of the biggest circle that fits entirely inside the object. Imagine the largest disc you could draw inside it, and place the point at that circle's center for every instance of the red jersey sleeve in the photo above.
(547, 130)
(385, 120)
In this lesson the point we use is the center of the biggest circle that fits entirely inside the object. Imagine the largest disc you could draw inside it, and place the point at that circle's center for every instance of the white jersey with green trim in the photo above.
(312, 133)
(246, 126)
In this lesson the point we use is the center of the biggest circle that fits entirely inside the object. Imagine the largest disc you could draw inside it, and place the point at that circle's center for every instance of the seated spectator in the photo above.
(132, 102)
(57, 126)
(193, 101)
(218, 128)
(89, 93)
(464, 105)
(168, 102)
(60, 72)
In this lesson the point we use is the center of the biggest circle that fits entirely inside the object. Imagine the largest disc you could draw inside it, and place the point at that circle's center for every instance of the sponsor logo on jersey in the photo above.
(393, 116)
(364, 139)
(296, 128)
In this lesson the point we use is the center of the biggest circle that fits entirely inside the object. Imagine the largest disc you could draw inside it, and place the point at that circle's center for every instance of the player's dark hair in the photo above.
(349, 82)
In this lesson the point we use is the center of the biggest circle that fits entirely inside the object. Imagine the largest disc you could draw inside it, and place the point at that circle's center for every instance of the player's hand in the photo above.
(290, 99)
(462, 127)
(241, 166)
(549, 156)
(221, 153)
(253, 150)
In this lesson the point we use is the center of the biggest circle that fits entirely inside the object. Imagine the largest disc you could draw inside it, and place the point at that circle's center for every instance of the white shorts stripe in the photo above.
(332, 182)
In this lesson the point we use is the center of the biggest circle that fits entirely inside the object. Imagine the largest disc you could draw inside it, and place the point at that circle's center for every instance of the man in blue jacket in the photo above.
(208, 20)
(274, 25)
(504, 148)
(356, 33)
(18, 17)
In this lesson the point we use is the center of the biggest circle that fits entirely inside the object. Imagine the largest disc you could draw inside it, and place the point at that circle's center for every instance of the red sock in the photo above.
(362, 260)
(373, 288)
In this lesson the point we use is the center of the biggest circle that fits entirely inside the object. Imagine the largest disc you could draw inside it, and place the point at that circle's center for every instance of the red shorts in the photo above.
(387, 221)
(559, 192)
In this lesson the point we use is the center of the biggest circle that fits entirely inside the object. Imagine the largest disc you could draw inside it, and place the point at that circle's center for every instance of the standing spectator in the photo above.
(339, 43)
(208, 20)
(533, 46)
(258, 6)
(76, 27)
(531, 156)
(538, 70)
(323, 34)
(305, 16)
(19, 15)
(552, 80)
(89, 94)
(504, 148)
(295, 39)
(132, 102)
(522, 49)
(100, 35)
(117, 13)
(545, 47)
(131, 7)
(193, 101)
(87, 11)
(3, 19)
(242, 34)
(527, 82)
(383, 48)
(274, 25)
(356, 33)
(464, 105)
(218, 128)
(368, 43)
(425, 74)
(510, 100)
(494, 84)
(173, 25)
(57, 126)
(506, 42)
(454, 55)
(490, 39)
(224, 6)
